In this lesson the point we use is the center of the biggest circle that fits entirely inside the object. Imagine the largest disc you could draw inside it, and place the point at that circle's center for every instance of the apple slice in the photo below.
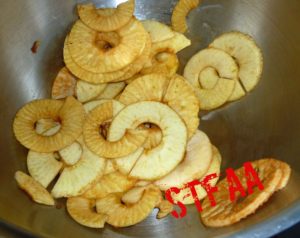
(227, 70)
(86, 91)
(120, 215)
(157, 30)
(81, 210)
(162, 159)
(195, 164)
(185, 195)
(247, 54)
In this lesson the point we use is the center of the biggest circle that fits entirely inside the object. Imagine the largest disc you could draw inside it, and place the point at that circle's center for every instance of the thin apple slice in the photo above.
(195, 164)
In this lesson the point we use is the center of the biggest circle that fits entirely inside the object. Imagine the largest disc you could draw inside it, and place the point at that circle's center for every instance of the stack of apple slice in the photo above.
(224, 72)
(122, 126)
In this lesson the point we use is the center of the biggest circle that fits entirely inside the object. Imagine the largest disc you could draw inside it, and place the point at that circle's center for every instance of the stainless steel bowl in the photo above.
(265, 123)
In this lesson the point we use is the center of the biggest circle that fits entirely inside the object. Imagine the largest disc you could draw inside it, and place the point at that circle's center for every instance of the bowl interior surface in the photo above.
(265, 123)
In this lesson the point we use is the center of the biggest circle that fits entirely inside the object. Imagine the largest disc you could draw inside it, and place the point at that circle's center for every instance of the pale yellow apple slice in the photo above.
(195, 164)
(185, 195)
(162, 159)
(227, 70)
(157, 30)
(126, 163)
(175, 44)
(47, 127)
(86, 91)
(43, 167)
(247, 54)
(112, 90)
(71, 154)
(209, 78)
(76, 179)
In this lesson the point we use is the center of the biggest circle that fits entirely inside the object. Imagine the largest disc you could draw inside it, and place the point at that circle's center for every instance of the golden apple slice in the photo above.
(95, 141)
(106, 55)
(120, 215)
(106, 19)
(185, 196)
(35, 190)
(64, 84)
(110, 183)
(180, 12)
(81, 210)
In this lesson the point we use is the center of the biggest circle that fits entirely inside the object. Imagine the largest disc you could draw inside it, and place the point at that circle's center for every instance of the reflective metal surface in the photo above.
(265, 123)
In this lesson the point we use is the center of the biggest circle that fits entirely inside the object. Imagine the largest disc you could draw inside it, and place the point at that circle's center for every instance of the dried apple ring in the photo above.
(247, 54)
(110, 168)
(90, 106)
(180, 12)
(115, 76)
(165, 208)
(176, 93)
(286, 171)
(150, 87)
(103, 54)
(131, 141)
(70, 113)
(126, 163)
(227, 212)
(86, 75)
(209, 77)
(133, 195)
(106, 20)
(71, 154)
(227, 70)
(137, 65)
(181, 97)
(120, 215)
(159, 161)
(81, 210)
